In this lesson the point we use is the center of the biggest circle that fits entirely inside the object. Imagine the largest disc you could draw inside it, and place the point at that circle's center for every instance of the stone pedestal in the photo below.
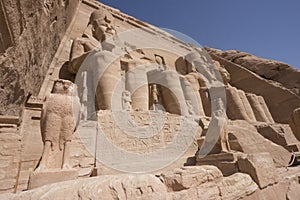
(38, 179)
(226, 162)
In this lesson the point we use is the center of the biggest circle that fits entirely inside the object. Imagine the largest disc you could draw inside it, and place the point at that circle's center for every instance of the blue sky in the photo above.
(265, 28)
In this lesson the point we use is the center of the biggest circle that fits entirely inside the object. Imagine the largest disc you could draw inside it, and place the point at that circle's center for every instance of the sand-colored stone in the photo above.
(280, 134)
(25, 31)
(274, 94)
(51, 176)
(235, 107)
(146, 186)
(72, 38)
(294, 123)
(257, 108)
(247, 105)
(270, 69)
(189, 177)
(245, 138)
(265, 109)
(260, 167)
(60, 117)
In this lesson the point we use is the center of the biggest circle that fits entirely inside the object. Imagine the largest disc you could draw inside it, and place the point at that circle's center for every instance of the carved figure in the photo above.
(221, 117)
(126, 100)
(60, 117)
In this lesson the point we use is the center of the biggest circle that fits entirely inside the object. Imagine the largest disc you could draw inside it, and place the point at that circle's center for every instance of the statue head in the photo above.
(102, 23)
(193, 59)
(64, 87)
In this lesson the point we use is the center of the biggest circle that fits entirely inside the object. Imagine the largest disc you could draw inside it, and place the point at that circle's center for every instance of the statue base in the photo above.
(226, 162)
(38, 179)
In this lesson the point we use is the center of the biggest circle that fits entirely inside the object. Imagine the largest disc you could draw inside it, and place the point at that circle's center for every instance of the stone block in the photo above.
(188, 177)
(226, 162)
(260, 167)
(38, 179)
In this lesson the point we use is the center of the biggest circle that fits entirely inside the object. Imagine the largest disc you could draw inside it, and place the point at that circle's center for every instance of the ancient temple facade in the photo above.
(116, 96)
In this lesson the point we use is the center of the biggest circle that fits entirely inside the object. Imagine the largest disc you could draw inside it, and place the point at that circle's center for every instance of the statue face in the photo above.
(103, 29)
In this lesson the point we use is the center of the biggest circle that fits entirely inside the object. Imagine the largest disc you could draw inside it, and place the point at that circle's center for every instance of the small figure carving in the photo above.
(222, 118)
(60, 117)
(126, 100)
(156, 98)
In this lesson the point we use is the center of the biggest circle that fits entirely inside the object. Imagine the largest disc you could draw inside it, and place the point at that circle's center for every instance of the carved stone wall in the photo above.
(10, 149)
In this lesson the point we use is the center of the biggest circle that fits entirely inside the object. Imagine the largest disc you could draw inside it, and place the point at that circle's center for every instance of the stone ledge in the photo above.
(6, 119)
(48, 177)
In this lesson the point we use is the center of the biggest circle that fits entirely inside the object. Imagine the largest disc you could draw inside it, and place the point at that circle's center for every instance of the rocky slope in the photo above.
(280, 72)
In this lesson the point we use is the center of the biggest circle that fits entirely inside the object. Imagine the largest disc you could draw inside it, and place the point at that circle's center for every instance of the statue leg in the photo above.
(224, 142)
(43, 163)
(66, 156)
(67, 131)
(224, 146)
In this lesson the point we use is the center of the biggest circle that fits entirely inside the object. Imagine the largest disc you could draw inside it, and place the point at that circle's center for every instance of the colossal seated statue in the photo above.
(96, 60)
(244, 106)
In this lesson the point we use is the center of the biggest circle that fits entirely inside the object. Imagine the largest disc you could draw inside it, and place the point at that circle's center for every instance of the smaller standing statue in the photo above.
(59, 120)
(222, 125)
(218, 131)
(126, 100)
(60, 117)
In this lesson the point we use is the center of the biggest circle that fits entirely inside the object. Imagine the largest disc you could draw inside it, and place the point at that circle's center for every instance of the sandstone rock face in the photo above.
(295, 123)
(260, 167)
(245, 138)
(273, 70)
(31, 32)
(280, 134)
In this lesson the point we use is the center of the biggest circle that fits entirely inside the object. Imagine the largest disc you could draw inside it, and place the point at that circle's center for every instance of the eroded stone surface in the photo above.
(207, 184)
